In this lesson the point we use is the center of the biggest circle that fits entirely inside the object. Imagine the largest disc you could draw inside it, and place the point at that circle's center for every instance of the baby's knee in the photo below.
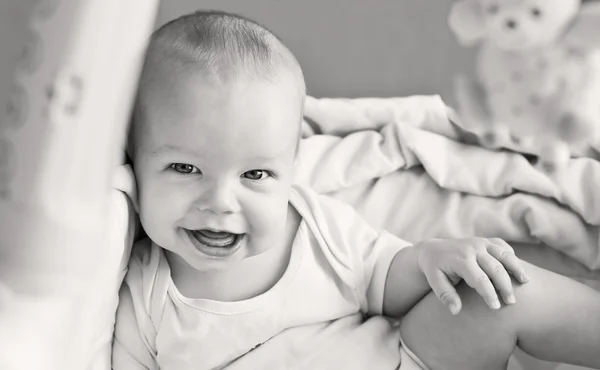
(532, 300)
(502, 321)
(473, 302)
(441, 339)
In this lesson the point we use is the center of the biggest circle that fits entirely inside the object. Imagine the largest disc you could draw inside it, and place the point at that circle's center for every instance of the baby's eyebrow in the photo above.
(265, 157)
(167, 148)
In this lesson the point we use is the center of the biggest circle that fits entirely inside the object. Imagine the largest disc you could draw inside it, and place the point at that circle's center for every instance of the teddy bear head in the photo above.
(512, 24)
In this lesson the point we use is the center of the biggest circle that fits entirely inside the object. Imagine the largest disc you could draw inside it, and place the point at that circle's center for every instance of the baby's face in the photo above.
(214, 166)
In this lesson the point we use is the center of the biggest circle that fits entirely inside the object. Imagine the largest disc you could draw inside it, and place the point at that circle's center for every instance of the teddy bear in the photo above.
(536, 84)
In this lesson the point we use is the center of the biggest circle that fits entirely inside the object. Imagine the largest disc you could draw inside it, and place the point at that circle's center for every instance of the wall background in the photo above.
(348, 48)
(354, 48)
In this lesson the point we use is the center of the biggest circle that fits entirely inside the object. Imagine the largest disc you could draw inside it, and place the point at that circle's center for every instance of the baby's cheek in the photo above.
(267, 215)
(160, 211)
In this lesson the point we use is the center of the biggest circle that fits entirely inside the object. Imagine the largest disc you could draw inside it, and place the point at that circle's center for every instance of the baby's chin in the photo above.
(192, 250)
(195, 263)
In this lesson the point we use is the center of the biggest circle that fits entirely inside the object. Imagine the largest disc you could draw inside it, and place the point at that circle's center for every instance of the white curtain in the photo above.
(64, 112)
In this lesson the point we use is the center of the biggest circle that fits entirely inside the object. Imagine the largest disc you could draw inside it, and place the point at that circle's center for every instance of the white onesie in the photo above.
(336, 274)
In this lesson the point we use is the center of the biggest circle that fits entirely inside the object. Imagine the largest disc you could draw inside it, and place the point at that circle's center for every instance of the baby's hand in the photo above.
(484, 264)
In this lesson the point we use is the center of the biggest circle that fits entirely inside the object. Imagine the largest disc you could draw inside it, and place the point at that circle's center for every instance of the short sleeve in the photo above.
(360, 251)
(376, 262)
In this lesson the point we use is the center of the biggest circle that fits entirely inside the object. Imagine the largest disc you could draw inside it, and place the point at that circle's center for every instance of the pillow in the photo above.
(57, 307)
(73, 92)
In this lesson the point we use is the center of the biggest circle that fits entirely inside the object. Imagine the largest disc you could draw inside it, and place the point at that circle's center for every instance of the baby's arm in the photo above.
(439, 264)
(395, 276)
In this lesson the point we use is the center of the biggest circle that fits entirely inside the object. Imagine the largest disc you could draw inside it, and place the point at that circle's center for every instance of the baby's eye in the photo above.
(184, 168)
(536, 12)
(255, 174)
(493, 9)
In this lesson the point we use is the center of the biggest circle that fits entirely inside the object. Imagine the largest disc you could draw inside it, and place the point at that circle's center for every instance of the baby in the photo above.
(238, 257)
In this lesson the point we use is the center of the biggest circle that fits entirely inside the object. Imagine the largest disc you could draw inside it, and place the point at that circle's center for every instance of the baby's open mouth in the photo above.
(216, 243)
(216, 239)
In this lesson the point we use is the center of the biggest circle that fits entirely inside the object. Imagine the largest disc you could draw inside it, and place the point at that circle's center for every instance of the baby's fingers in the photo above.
(477, 279)
(444, 290)
(501, 251)
(498, 275)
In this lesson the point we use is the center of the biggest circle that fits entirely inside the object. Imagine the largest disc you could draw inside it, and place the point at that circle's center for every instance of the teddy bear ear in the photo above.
(466, 21)
(585, 30)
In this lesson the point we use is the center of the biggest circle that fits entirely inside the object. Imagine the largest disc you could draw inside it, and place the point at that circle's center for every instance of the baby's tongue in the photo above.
(215, 239)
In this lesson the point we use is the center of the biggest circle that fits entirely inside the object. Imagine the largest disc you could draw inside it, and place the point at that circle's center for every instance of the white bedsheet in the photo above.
(407, 168)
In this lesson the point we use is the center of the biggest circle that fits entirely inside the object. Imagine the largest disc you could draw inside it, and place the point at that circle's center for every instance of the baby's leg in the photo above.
(555, 319)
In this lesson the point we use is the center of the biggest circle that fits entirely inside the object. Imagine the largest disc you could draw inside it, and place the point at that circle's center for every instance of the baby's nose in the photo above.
(511, 24)
(219, 198)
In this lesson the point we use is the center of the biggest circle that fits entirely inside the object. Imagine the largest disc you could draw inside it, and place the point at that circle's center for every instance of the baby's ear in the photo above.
(466, 21)
(586, 26)
(124, 180)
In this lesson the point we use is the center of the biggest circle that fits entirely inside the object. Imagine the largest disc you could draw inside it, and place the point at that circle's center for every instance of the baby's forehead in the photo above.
(218, 72)
(179, 85)
(265, 121)
(189, 99)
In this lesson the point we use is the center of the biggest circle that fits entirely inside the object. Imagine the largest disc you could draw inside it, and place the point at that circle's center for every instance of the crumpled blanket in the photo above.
(408, 167)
